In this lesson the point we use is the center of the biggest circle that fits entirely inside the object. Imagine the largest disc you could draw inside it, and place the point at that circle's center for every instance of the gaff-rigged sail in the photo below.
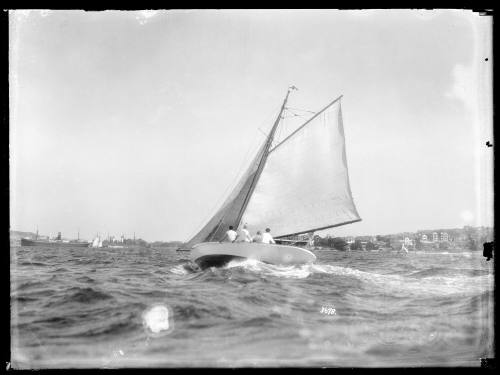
(305, 183)
(298, 186)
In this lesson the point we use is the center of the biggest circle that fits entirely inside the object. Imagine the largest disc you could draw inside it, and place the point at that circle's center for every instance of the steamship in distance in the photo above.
(57, 242)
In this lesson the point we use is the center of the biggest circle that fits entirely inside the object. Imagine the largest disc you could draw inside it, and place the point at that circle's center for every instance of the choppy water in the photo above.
(86, 308)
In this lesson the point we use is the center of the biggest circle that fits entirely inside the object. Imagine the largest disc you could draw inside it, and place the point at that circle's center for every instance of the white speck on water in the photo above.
(156, 319)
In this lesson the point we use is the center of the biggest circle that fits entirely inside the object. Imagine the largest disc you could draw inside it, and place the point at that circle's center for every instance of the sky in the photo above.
(126, 122)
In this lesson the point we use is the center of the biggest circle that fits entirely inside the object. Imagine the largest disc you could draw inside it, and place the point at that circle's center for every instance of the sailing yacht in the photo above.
(97, 242)
(296, 186)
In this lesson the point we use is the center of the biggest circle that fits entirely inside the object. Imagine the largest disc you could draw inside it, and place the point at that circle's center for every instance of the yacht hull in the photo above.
(216, 254)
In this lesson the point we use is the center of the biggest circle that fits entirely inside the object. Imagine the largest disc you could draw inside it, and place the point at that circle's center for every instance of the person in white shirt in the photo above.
(257, 237)
(266, 237)
(230, 235)
(244, 235)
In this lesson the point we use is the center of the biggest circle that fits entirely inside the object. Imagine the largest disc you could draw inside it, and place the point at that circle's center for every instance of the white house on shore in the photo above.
(435, 237)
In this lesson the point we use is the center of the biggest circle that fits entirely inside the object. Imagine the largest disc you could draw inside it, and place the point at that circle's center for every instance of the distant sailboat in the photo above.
(97, 242)
(296, 186)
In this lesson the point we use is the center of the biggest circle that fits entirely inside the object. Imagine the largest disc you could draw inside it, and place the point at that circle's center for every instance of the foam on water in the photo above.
(437, 285)
(253, 265)
(180, 269)
(432, 285)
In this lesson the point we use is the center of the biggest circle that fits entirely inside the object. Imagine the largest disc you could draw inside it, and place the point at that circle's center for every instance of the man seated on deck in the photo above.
(230, 235)
(244, 235)
(257, 237)
(267, 238)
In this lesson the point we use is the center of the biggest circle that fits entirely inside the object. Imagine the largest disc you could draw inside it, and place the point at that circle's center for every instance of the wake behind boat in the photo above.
(296, 185)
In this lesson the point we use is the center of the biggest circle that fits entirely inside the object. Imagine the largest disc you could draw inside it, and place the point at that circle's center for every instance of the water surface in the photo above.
(82, 307)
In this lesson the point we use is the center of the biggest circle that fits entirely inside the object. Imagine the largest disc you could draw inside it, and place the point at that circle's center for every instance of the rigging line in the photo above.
(298, 109)
(216, 229)
(263, 132)
(304, 124)
(293, 115)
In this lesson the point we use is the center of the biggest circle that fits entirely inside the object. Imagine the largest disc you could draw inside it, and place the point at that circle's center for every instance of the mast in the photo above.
(264, 158)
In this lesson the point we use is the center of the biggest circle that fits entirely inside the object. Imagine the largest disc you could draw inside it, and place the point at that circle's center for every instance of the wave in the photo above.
(16, 298)
(115, 328)
(62, 269)
(181, 269)
(71, 328)
(466, 254)
(56, 321)
(86, 295)
(29, 285)
(420, 283)
(85, 279)
(436, 285)
(449, 272)
(33, 264)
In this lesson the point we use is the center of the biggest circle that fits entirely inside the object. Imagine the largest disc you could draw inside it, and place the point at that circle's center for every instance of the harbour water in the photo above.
(82, 307)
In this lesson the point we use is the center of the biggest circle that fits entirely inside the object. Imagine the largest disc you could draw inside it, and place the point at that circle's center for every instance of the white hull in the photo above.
(208, 254)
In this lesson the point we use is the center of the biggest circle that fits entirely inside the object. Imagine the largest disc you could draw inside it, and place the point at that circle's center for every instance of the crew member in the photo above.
(258, 237)
(244, 235)
(266, 237)
(230, 235)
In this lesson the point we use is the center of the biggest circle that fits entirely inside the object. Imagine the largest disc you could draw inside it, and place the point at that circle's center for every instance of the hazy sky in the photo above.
(142, 121)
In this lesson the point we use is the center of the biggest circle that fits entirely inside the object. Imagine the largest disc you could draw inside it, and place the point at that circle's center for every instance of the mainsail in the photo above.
(298, 186)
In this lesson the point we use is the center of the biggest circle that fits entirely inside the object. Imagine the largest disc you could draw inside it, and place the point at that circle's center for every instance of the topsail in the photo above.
(297, 186)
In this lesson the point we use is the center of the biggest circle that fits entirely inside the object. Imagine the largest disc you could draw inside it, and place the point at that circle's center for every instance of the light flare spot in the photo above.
(467, 216)
(157, 319)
